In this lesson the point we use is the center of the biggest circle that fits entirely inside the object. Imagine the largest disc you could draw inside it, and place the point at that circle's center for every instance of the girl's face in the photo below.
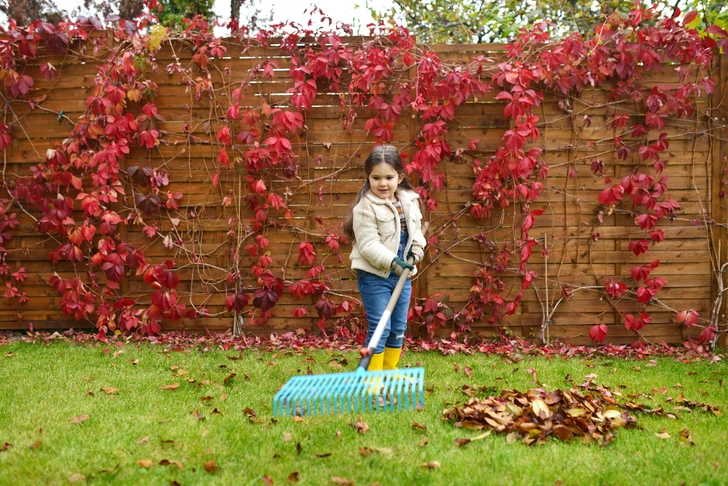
(383, 180)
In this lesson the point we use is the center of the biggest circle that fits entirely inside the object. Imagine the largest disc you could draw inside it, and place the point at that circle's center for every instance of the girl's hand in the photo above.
(398, 265)
(416, 253)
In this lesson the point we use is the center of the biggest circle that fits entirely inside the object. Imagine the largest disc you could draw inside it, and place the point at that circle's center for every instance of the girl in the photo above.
(385, 226)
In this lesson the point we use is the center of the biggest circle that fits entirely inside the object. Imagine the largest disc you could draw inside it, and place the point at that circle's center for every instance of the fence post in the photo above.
(719, 203)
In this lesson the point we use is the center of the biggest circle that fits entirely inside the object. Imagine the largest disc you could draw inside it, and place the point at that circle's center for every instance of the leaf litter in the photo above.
(589, 415)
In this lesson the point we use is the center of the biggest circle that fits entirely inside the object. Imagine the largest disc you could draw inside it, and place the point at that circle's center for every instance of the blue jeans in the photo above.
(375, 292)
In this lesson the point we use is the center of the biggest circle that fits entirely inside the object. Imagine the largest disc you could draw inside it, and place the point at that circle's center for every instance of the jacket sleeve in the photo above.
(418, 237)
(368, 240)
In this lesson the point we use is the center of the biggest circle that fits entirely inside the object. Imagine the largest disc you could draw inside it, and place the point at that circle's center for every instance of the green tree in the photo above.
(483, 21)
(175, 11)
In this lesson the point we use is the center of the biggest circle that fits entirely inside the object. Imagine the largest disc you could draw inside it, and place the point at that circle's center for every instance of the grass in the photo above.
(44, 387)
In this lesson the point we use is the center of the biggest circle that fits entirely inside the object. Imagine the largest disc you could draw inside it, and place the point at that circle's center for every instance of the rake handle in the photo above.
(367, 352)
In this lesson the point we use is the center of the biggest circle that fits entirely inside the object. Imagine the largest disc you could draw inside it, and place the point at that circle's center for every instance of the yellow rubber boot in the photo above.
(391, 358)
(376, 362)
(375, 383)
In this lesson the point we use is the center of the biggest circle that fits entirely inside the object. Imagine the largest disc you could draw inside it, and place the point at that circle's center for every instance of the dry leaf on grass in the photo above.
(431, 465)
(210, 466)
(293, 477)
(80, 419)
(169, 462)
(172, 386)
(342, 481)
(663, 434)
(143, 440)
(110, 390)
(77, 478)
(360, 426)
(145, 463)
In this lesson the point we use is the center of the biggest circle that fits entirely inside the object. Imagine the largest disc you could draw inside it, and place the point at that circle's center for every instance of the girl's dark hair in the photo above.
(380, 154)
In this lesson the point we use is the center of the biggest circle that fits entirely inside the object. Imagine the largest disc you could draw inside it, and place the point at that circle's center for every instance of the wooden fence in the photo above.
(331, 172)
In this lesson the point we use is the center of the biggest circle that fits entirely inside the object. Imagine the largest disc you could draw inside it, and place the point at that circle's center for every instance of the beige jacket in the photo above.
(377, 230)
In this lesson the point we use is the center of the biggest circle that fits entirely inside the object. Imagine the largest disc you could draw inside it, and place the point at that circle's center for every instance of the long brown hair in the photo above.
(387, 154)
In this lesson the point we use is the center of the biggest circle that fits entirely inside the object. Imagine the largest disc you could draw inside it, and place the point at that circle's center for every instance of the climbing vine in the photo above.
(85, 192)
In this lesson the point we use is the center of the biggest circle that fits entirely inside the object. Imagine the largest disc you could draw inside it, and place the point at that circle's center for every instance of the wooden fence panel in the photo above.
(583, 252)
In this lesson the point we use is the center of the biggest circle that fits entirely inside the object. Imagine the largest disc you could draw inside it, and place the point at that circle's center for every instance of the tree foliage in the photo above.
(26, 11)
(486, 21)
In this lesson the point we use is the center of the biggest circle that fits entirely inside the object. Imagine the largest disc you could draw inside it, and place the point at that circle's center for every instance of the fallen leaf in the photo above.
(323, 454)
(5, 446)
(134, 361)
(198, 416)
(338, 434)
(424, 442)
(77, 478)
(431, 465)
(110, 390)
(172, 386)
(91, 393)
(298, 418)
(35, 444)
(686, 437)
(416, 425)
(249, 412)
(361, 426)
(266, 479)
(145, 463)
(287, 436)
(365, 451)
(206, 398)
(228, 378)
(293, 477)
(143, 440)
(8, 355)
(663, 434)
(210, 466)
(461, 441)
(340, 480)
(299, 448)
(81, 418)
(169, 462)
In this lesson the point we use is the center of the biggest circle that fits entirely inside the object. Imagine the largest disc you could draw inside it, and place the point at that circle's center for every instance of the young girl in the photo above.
(385, 226)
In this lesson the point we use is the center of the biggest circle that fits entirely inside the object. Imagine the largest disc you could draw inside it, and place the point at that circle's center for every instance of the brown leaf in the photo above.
(431, 465)
(145, 463)
(8, 355)
(462, 441)
(343, 481)
(417, 425)
(80, 419)
(76, 478)
(228, 378)
(110, 390)
(686, 437)
(467, 370)
(210, 466)
(361, 426)
(134, 361)
(266, 479)
(198, 416)
(206, 398)
(249, 412)
(35, 444)
(169, 462)
(365, 451)
(323, 454)
(5, 446)
(298, 418)
(172, 386)
(424, 442)
(293, 477)
(91, 393)
(287, 436)
(663, 434)
(299, 448)
(143, 440)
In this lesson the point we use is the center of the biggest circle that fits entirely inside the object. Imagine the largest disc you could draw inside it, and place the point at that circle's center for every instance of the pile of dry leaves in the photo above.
(537, 414)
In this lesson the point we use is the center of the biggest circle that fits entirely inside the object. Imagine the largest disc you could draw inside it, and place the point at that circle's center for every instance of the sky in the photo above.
(348, 11)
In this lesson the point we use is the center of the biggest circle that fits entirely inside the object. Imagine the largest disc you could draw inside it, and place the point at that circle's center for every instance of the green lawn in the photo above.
(44, 389)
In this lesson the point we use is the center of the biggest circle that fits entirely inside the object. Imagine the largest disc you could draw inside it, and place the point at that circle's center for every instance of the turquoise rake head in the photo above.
(354, 392)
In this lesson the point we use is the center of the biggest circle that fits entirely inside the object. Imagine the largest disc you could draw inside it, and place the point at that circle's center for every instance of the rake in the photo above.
(357, 391)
